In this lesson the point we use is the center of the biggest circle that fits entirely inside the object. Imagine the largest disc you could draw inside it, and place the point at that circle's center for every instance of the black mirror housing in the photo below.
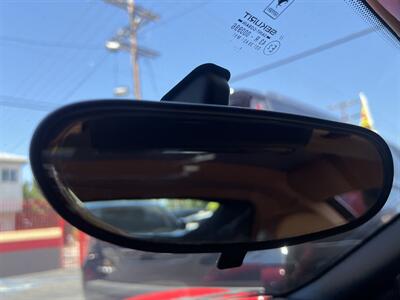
(237, 179)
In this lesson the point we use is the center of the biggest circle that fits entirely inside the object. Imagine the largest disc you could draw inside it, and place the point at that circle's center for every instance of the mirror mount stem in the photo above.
(206, 84)
(231, 259)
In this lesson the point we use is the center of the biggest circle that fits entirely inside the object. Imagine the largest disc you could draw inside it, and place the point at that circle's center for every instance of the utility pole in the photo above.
(134, 53)
(126, 38)
(363, 115)
(344, 107)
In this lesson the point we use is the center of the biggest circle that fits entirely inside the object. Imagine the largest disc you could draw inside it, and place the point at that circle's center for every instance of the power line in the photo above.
(86, 77)
(25, 103)
(68, 72)
(174, 17)
(31, 79)
(152, 76)
(115, 69)
(47, 44)
(302, 55)
(58, 68)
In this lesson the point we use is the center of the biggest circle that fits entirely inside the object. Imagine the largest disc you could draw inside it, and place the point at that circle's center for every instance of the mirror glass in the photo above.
(188, 179)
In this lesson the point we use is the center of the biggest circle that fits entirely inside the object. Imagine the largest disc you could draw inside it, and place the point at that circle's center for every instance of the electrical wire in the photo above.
(62, 68)
(31, 78)
(47, 44)
(70, 72)
(152, 76)
(72, 91)
(174, 17)
(115, 68)
(26, 103)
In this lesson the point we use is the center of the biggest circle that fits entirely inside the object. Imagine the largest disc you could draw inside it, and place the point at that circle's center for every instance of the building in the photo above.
(11, 195)
(37, 247)
(275, 102)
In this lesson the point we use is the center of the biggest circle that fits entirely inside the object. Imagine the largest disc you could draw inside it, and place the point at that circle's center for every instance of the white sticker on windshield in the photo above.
(255, 33)
(277, 7)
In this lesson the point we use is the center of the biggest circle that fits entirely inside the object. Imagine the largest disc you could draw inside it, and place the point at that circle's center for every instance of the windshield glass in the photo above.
(327, 59)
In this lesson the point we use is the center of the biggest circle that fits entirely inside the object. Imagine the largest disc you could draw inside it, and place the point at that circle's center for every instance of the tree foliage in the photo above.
(31, 190)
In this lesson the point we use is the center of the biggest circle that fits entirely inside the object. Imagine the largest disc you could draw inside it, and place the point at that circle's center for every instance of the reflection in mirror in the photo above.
(188, 220)
(214, 181)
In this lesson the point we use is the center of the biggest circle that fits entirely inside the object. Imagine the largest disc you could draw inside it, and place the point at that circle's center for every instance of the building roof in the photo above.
(12, 158)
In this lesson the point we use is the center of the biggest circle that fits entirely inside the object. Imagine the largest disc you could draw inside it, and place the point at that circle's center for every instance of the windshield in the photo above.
(327, 59)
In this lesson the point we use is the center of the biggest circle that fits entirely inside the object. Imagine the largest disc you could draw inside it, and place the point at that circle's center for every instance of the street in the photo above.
(61, 284)
(65, 284)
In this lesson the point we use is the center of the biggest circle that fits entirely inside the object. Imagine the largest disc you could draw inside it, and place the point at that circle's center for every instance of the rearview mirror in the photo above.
(169, 177)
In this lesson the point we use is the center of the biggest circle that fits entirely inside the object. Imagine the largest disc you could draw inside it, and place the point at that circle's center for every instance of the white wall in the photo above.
(11, 196)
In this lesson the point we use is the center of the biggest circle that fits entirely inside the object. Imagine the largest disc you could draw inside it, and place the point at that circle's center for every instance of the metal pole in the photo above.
(133, 23)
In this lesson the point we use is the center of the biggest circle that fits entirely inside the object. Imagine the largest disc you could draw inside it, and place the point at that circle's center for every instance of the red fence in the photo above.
(36, 213)
(38, 226)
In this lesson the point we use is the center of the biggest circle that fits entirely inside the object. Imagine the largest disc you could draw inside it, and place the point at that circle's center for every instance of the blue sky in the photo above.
(52, 53)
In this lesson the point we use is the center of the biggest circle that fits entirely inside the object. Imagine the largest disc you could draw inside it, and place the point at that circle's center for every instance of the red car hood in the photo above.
(199, 293)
